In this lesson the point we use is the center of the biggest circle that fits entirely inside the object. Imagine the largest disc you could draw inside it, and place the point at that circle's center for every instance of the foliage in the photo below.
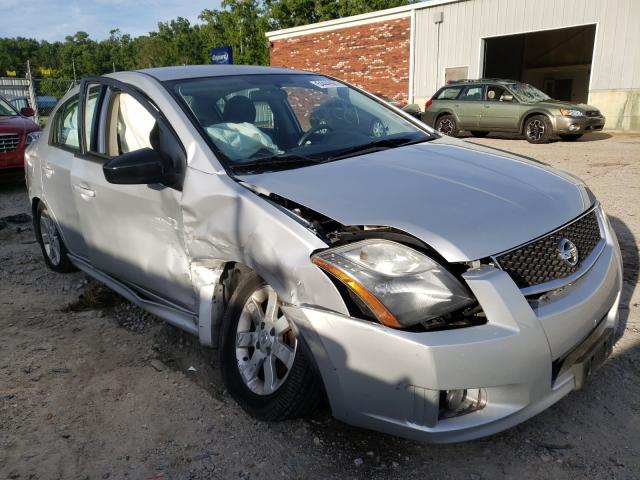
(242, 24)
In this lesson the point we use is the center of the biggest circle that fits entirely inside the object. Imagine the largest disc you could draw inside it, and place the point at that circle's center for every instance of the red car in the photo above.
(17, 131)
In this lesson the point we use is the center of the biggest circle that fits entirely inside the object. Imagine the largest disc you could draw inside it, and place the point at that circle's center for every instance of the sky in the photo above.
(55, 19)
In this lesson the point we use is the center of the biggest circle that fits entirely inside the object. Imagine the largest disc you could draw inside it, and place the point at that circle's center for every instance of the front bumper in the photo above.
(389, 380)
(578, 125)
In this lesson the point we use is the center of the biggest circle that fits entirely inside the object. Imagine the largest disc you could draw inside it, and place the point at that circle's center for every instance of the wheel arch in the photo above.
(532, 113)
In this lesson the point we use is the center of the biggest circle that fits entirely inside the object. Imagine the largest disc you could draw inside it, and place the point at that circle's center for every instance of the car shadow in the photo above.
(588, 137)
(630, 266)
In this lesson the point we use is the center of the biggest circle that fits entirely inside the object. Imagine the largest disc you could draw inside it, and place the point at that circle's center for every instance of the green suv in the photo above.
(490, 105)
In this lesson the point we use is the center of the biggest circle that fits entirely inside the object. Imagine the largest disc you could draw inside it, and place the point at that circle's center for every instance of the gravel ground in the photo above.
(93, 388)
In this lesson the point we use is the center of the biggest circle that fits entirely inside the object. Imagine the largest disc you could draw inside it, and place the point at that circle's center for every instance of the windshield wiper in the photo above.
(277, 161)
(383, 144)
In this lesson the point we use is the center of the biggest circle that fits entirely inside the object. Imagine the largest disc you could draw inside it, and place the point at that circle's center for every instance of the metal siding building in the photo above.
(581, 50)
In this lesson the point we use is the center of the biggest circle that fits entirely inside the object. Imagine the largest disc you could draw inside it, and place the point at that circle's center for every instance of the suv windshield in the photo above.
(6, 110)
(274, 121)
(528, 93)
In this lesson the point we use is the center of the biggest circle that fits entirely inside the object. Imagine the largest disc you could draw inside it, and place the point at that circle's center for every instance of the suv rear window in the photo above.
(449, 93)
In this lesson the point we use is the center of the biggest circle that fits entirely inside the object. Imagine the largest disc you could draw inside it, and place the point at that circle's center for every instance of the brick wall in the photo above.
(374, 57)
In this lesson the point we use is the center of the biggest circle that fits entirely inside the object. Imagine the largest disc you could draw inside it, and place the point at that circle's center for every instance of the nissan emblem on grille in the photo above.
(568, 252)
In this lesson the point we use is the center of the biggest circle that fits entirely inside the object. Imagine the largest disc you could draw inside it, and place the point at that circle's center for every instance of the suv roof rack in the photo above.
(484, 80)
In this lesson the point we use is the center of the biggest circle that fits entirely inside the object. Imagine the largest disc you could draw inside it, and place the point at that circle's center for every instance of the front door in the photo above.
(133, 232)
(499, 110)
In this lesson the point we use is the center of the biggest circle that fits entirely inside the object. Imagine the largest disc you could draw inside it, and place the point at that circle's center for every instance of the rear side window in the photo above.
(65, 127)
(449, 93)
(472, 93)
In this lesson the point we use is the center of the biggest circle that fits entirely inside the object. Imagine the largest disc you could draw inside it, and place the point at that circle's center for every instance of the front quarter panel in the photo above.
(223, 221)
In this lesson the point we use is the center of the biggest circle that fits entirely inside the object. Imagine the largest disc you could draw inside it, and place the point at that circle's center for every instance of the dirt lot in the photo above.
(91, 388)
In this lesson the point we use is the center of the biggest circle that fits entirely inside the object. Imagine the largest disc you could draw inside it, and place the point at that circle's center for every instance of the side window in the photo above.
(130, 126)
(494, 93)
(449, 93)
(472, 94)
(65, 127)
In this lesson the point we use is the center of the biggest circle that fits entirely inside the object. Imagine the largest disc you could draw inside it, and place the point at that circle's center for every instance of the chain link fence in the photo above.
(36, 88)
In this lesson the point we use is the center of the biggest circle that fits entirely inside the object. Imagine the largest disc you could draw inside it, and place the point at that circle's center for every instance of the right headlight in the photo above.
(401, 286)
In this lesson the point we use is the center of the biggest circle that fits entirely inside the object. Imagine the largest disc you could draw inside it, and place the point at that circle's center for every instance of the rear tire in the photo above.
(537, 129)
(570, 137)
(447, 125)
(479, 134)
(264, 365)
(48, 236)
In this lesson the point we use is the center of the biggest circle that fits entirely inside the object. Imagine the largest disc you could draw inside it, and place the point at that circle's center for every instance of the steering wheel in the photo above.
(312, 131)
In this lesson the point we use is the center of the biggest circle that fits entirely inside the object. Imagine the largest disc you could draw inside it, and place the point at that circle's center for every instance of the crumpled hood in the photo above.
(566, 104)
(465, 201)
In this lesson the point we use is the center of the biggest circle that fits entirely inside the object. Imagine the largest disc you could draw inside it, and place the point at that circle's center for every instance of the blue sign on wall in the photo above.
(221, 55)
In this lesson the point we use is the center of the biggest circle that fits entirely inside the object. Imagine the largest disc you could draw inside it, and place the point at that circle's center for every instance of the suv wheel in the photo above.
(51, 244)
(570, 137)
(447, 125)
(264, 366)
(537, 129)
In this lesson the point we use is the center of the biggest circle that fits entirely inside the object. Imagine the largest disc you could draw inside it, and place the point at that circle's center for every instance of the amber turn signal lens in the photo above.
(379, 310)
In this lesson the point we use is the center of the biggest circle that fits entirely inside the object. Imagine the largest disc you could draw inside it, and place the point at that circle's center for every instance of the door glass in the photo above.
(66, 125)
(130, 127)
(494, 93)
(472, 94)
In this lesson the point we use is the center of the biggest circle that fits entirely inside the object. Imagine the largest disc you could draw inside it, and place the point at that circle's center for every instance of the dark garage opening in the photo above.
(558, 62)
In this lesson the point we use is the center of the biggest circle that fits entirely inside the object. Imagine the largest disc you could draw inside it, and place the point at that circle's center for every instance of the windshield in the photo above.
(528, 93)
(6, 109)
(265, 122)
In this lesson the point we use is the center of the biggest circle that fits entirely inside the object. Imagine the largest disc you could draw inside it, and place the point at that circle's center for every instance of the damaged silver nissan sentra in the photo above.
(330, 243)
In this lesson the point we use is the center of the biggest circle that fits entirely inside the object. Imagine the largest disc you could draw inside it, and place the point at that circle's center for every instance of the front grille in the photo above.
(593, 113)
(539, 261)
(9, 142)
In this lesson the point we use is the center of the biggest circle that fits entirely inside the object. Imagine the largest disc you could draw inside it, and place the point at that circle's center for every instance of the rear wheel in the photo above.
(447, 125)
(264, 366)
(479, 134)
(570, 137)
(537, 129)
(51, 243)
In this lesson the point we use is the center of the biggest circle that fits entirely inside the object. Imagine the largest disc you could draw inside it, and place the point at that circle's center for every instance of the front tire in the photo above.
(570, 137)
(447, 125)
(264, 365)
(537, 129)
(48, 236)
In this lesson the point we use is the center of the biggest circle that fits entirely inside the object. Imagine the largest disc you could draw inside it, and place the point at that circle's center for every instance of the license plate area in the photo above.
(591, 357)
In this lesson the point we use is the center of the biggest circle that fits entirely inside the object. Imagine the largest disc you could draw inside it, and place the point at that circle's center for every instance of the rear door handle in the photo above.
(487, 106)
(84, 191)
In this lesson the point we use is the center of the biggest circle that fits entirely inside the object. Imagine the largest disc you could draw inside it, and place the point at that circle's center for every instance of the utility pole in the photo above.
(32, 93)
(73, 65)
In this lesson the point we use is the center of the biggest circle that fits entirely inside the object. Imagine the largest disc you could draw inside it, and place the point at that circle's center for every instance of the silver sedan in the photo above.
(330, 244)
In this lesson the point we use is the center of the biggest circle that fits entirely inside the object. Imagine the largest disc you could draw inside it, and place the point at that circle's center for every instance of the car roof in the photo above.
(164, 74)
(483, 81)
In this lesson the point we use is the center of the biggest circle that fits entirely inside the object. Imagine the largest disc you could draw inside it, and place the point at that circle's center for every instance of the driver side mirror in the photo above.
(142, 166)
(507, 97)
(27, 112)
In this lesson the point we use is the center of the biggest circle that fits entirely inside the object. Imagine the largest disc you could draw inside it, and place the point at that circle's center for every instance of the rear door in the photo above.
(468, 106)
(57, 161)
(133, 232)
(499, 109)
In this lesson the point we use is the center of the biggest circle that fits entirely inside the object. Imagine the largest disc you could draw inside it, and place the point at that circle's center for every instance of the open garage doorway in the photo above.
(558, 62)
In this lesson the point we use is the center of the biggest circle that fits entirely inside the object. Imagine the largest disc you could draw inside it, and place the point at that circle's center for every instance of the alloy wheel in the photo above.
(535, 129)
(50, 238)
(446, 126)
(265, 343)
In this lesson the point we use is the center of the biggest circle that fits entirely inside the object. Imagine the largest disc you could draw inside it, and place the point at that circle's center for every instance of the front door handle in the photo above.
(84, 191)
(48, 171)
